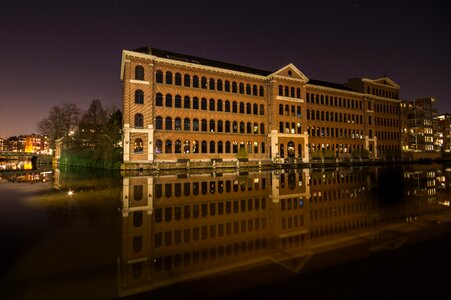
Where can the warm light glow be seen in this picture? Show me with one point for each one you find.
(70, 193)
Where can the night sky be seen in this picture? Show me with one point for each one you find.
(54, 52)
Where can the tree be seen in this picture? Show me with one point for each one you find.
(59, 123)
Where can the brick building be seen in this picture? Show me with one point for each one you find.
(177, 106)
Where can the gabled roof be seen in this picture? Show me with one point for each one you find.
(291, 71)
(384, 81)
(200, 61)
(330, 85)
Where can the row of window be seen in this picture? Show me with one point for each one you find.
(338, 228)
(211, 105)
(334, 101)
(289, 92)
(337, 211)
(295, 111)
(334, 117)
(210, 126)
(382, 93)
(387, 122)
(211, 84)
(204, 187)
(204, 147)
(208, 209)
(335, 132)
(292, 222)
(387, 135)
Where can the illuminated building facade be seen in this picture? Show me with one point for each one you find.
(421, 124)
(443, 132)
(179, 107)
(36, 144)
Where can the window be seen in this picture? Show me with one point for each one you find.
(248, 108)
(227, 126)
(159, 76)
(227, 86)
(298, 93)
(138, 146)
(159, 99)
(263, 149)
(204, 125)
(195, 125)
(219, 87)
(186, 102)
(168, 100)
(186, 149)
(168, 77)
(212, 84)
(262, 93)
(248, 127)
(248, 89)
(234, 107)
(203, 82)
(219, 105)
(241, 88)
(195, 103)
(139, 73)
(204, 147)
(280, 109)
(186, 124)
(168, 123)
(168, 146)
(262, 129)
(220, 126)
(241, 107)
(178, 101)
(139, 97)
(195, 147)
(254, 90)
(234, 87)
(186, 80)
(178, 79)
(227, 147)
(262, 109)
(178, 124)
(158, 123)
(241, 127)
(195, 81)
(212, 147)
(227, 106)
(139, 121)
(212, 126)
(280, 90)
(220, 147)
(203, 104)
(212, 104)
(178, 146)
(158, 146)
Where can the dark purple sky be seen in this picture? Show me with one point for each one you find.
(54, 52)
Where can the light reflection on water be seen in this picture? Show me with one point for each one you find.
(113, 236)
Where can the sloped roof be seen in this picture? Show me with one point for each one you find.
(330, 85)
(201, 61)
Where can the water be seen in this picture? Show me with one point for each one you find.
(332, 233)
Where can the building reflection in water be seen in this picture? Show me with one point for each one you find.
(182, 227)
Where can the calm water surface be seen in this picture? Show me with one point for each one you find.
(354, 233)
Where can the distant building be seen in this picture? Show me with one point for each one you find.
(177, 106)
(443, 132)
(2, 141)
(36, 144)
(421, 124)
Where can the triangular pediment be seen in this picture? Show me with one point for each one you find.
(291, 71)
(387, 82)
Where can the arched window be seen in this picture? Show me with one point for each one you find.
(287, 109)
(261, 91)
(186, 80)
(203, 82)
(158, 147)
(235, 127)
(255, 128)
(220, 147)
(159, 99)
(204, 125)
(168, 123)
(227, 86)
(159, 76)
(248, 89)
(248, 108)
(262, 109)
(219, 105)
(186, 102)
(280, 109)
(186, 147)
(168, 146)
(138, 146)
(186, 124)
(219, 83)
(212, 126)
(234, 107)
(227, 106)
(178, 147)
(234, 87)
(227, 126)
(287, 90)
(280, 127)
(241, 88)
(227, 147)
(195, 81)
(178, 79)
(139, 121)
(255, 109)
(178, 124)
(212, 147)
(158, 123)
(195, 103)
(241, 107)
(255, 147)
(262, 128)
(280, 90)
(203, 104)
(168, 77)
(195, 125)
(248, 127)
(262, 148)
(139, 73)
(212, 104)
(195, 147)
(298, 93)
(235, 147)
(139, 97)
(168, 100)
(178, 101)
(241, 127)
(212, 84)
(254, 90)
(203, 147)
(220, 129)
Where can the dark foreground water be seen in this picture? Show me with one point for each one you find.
(360, 233)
